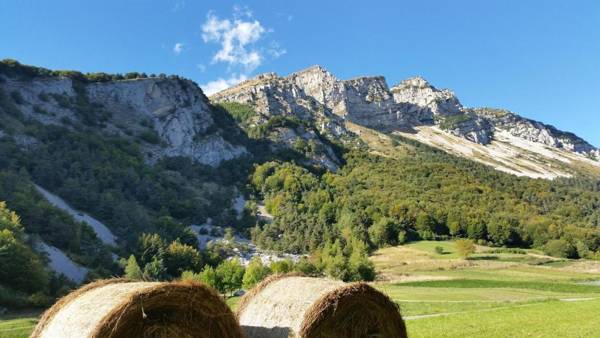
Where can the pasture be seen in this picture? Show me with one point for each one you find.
(494, 293)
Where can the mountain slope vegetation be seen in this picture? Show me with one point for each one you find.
(149, 156)
(425, 194)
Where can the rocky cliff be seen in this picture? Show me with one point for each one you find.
(537, 132)
(171, 115)
(314, 93)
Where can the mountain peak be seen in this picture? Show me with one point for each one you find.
(414, 102)
(415, 81)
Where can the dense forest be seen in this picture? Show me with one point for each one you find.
(425, 194)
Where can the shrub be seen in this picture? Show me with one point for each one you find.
(150, 136)
(241, 113)
(255, 272)
(560, 248)
(465, 247)
(132, 269)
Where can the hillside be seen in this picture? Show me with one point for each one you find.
(109, 174)
(416, 109)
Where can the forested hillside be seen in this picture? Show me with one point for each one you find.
(150, 156)
(426, 194)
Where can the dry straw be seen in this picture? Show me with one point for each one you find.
(296, 306)
(120, 308)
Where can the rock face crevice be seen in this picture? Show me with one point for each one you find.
(314, 93)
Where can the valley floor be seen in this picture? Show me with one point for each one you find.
(495, 293)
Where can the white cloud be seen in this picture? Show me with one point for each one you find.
(242, 11)
(221, 83)
(241, 46)
(275, 50)
(237, 39)
(178, 48)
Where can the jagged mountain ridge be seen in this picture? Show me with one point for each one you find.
(409, 108)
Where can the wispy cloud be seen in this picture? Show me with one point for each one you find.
(275, 50)
(241, 46)
(178, 48)
(237, 39)
(221, 83)
(178, 5)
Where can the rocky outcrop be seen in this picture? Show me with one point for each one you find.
(469, 126)
(538, 132)
(316, 94)
(309, 96)
(177, 110)
(425, 102)
(427, 105)
(172, 108)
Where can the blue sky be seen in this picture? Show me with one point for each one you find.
(540, 59)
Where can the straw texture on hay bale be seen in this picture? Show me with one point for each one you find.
(119, 308)
(295, 306)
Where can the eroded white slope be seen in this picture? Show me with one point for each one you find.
(508, 153)
(101, 230)
(62, 264)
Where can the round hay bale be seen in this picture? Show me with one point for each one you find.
(121, 308)
(296, 306)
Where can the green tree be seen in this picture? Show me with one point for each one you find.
(19, 266)
(151, 247)
(361, 268)
(425, 225)
(230, 274)
(382, 233)
(155, 270)
(190, 276)
(180, 257)
(560, 248)
(282, 266)
(209, 277)
(465, 247)
(132, 269)
(305, 266)
(255, 272)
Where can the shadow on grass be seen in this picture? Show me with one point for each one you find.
(483, 258)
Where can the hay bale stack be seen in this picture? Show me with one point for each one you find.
(119, 308)
(295, 306)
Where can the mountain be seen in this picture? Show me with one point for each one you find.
(416, 109)
(99, 168)
(172, 113)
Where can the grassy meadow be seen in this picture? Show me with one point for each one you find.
(494, 293)
(18, 325)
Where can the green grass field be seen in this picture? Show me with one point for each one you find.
(17, 326)
(495, 293)
(546, 319)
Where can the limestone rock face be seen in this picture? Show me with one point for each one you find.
(426, 101)
(538, 132)
(308, 95)
(173, 108)
(316, 94)
(472, 128)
